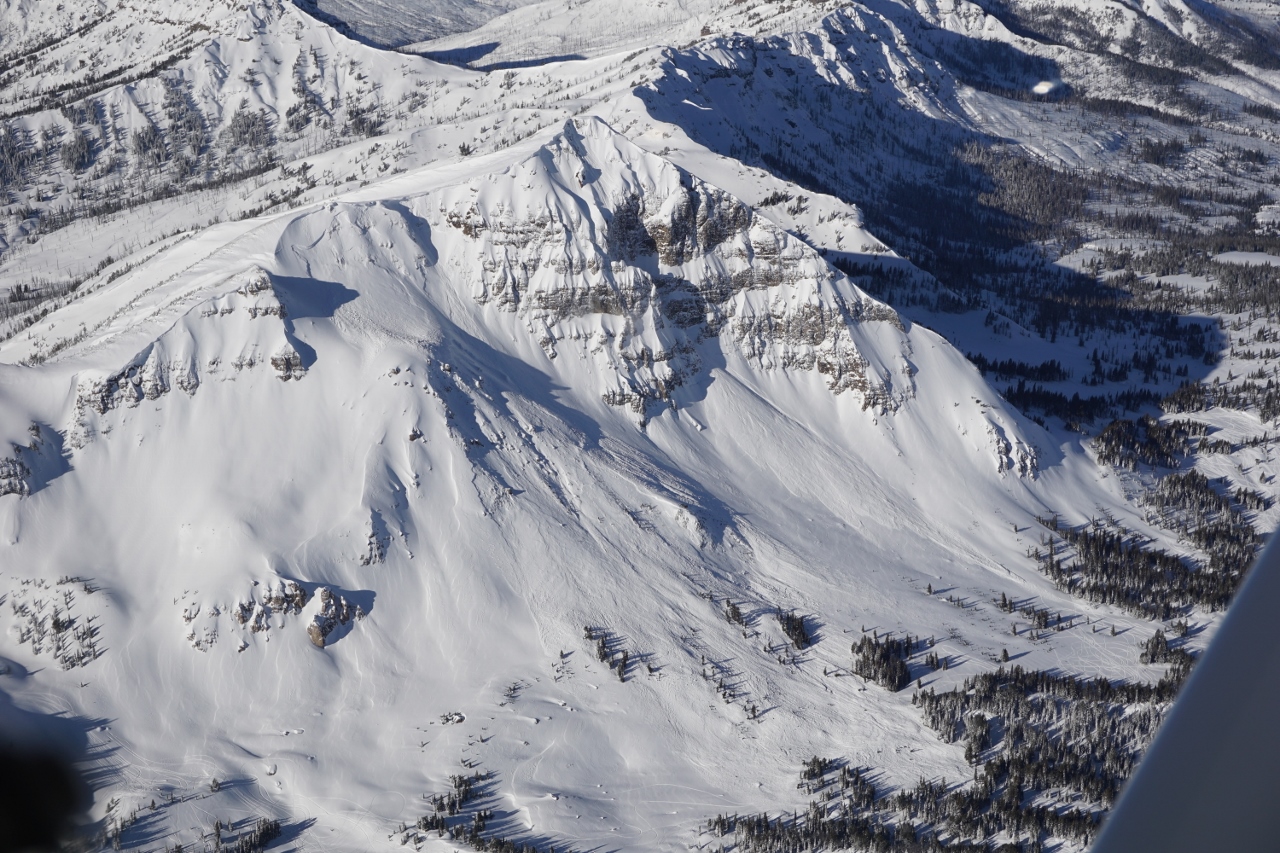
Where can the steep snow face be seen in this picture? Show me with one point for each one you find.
(591, 244)
(597, 245)
(329, 498)
(220, 333)
(328, 503)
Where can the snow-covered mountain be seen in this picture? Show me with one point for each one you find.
(412, 453)
(406, 444)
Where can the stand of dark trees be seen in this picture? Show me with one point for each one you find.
(1027, 734)
(1108, 564)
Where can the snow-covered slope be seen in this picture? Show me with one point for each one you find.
(347, 484)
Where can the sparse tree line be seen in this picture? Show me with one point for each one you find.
(247, 835)
(1203, 512)
(1191, 504)
(254, 837)
(793, 625)
(1039, 618)
(51, 625)
(1076, 410)
(610, 650)
(1008, 368)
(463, 790)
(1248, 289)
(1146, 441)
(885, 660)
(1026, 732)
(1109, 564)
(1249, 395)
(459, 816)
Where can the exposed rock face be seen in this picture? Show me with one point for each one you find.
(661, 262)
(171, 360)
(285, 598)
(334, 611)
(271, 608)
(288, 364)
(1013, 454)
(32, 464)
(377, 540)
(260, 296)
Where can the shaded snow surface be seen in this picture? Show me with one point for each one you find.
(392, 23)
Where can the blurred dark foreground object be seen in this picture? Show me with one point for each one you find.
(41, 797)
(1211, 779)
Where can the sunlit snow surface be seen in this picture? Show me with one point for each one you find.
(429, 462)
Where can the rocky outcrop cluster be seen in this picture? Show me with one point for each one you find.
(334, 612)
(14, 476)
(171, 362)
(288, 364)
(33, 464)
(642, 262)
(285, 597)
